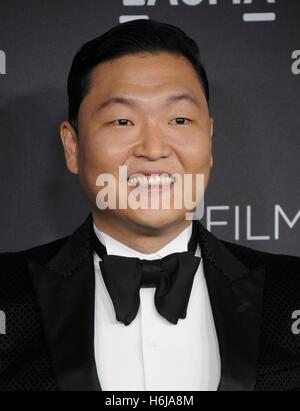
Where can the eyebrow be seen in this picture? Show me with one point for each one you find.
(128, 101)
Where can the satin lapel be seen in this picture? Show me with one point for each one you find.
(65, 289)
(236, 298)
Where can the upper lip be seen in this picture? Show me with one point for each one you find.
(149, 172)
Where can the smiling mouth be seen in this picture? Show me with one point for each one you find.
(152, 180)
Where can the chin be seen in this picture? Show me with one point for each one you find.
(155, 219)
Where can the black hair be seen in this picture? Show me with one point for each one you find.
(132, 37)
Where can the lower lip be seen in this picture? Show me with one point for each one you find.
(153, 187)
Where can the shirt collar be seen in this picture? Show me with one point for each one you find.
(178, 244)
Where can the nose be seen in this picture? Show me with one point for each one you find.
(152, 143)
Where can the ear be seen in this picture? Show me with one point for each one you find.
(70, 142)
(211, 134)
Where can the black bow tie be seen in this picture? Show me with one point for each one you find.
(172, 276)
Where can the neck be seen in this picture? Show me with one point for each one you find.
(140, 237)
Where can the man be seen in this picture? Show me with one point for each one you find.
(145, 298)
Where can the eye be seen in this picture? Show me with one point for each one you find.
(120, 122)
(181, 120)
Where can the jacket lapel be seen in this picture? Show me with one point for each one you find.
(65, 289)
(235, 293)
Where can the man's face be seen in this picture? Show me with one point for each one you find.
(149, 132)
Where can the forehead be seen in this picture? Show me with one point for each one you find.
(144, 74)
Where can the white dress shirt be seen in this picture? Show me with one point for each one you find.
(151, 354)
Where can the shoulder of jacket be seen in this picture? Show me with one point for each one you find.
(41, 253)
(277, 265)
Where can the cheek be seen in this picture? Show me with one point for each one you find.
(98, 156)
(197, 156)
(95, 154)
(89, 168)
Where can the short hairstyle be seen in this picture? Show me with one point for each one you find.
(132, 37)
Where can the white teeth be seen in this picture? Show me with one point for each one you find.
(155, 180)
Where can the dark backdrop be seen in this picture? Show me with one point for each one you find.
(253, 68)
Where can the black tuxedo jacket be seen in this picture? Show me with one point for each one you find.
(47, 294)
